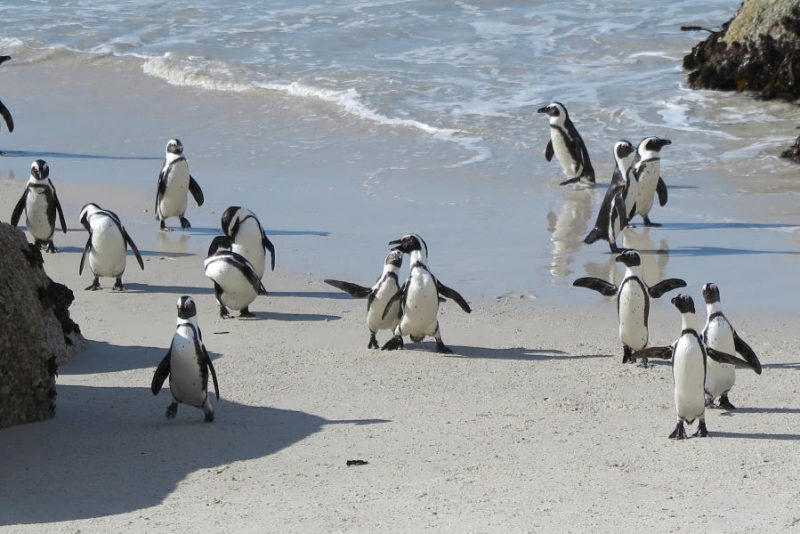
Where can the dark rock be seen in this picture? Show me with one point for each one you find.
(793, 153)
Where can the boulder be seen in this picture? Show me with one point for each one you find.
(36, 331)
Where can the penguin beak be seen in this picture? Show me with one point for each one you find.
(398, 242)
(665, 142)
(543, 110)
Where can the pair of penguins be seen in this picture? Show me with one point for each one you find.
(633, 187)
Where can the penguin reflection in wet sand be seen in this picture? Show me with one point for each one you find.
(720, 335)
(187, 365)
(40, 203)
(106, 246)
(419, 298)
(633, 301)
(646, 174)
(380, 314)
(688, 355)
(248, 238)
(613, 215)
(567, 145)
(236, 284)
(174, 182)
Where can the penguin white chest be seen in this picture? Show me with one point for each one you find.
(185, 377)
(387, 288)
(237, 290)
(174, 200)
(249, 243)
(689, 373)
(421, 304)
(720, 377)
(561, 143)
(37, 212)
(107, 255)
(646, 187)
(632, 306)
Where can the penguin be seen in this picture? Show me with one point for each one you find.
(173, 183)
(40, 203)
(720, 335)
(248, 237)
(689, 355)
(380, 315)
(236, 284)
(106, 246)
(633, 301)
(419, 298)
(3, 109)
(567, 145)
(646, 174)
(187, 365)
(613, 216)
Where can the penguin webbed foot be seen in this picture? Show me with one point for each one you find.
(571, 181)
(441, 348)
(245, 312)
(185, 223)
(162, 225)
(373, 341)
(224, 313)
(679, 432)
(643, 364)
(648, 222)
(725, 403)
(627, 355)
(702, 431)
(172, 410)
(118, 285)
(209, 417)
(95, 285)
(395, 343)
(51, 248)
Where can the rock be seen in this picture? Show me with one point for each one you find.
(36, 332)
(793, 152)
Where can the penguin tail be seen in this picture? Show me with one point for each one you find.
(593, 236)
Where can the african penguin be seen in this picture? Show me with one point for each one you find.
(40, 203)
(174, 182)
(187, 365)
(646, 174)
(248, 237)
(106, 246)
(720, 335)
(419, 298)
(633, 301)
(567, 145)
(380, 315)
(688, 354)
(613, 216)
(236, 284)
(3, 109)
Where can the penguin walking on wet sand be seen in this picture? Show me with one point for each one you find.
(633, 301)
(567, 145)
(40, 203)
(187, 364)
(248, 238)
(174, 182)
(236, 284)
(613, 215)
(688, 355)
(646, 174)
(106, 246)
(419, 298)
(380, 314)
(720, 335)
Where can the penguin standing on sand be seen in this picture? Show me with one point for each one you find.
(720, 335)
(40, 203)
(567, 145)
(106, 246)
(688, 355)
(380, 314)
(174, 182)
(236, 284)
(613, 215)
(3, 109)
(187, 365)
(248, 238)
(633, 301)
(419, 298)
(646, 173)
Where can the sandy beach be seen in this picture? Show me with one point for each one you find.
(533, 425)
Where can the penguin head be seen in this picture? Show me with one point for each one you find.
(409, 243)
(556, 111)
(684, 303)
(221, 242)
(230, 222)
(629, 258)
(174, 146)
(186, 307)
(395, 258)
(87, 210)
(710, 293)
(40, 170)
(652, 144)
(622, 149)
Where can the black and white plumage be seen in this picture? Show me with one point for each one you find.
(248, 237)
(40, 203)
(720, 335)
(236, 284)
(380, 314)
(3, 109)
(174, 182)
(187, 364)
(613, 216)
(645, 179)
(106, 246)
(689, 355)
(567, 145)
(419, 298)
(633, 301)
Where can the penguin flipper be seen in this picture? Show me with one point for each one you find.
(594, 235)
(17, 213)
(211, 369)
(397, 296)
(161, 187)
(657, 353)
(196, 192)
(221, 241)
(548, 151)
(60, 212)
(452, 294)
(661, 190)
(747, 353)
(86, 249)
(269, 246)
(354, 290)
(161, 374)
(724, 357)
(607, 289)
(135, 250)
(665, 286)
(7, 116)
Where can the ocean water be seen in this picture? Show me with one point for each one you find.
(359, 121)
